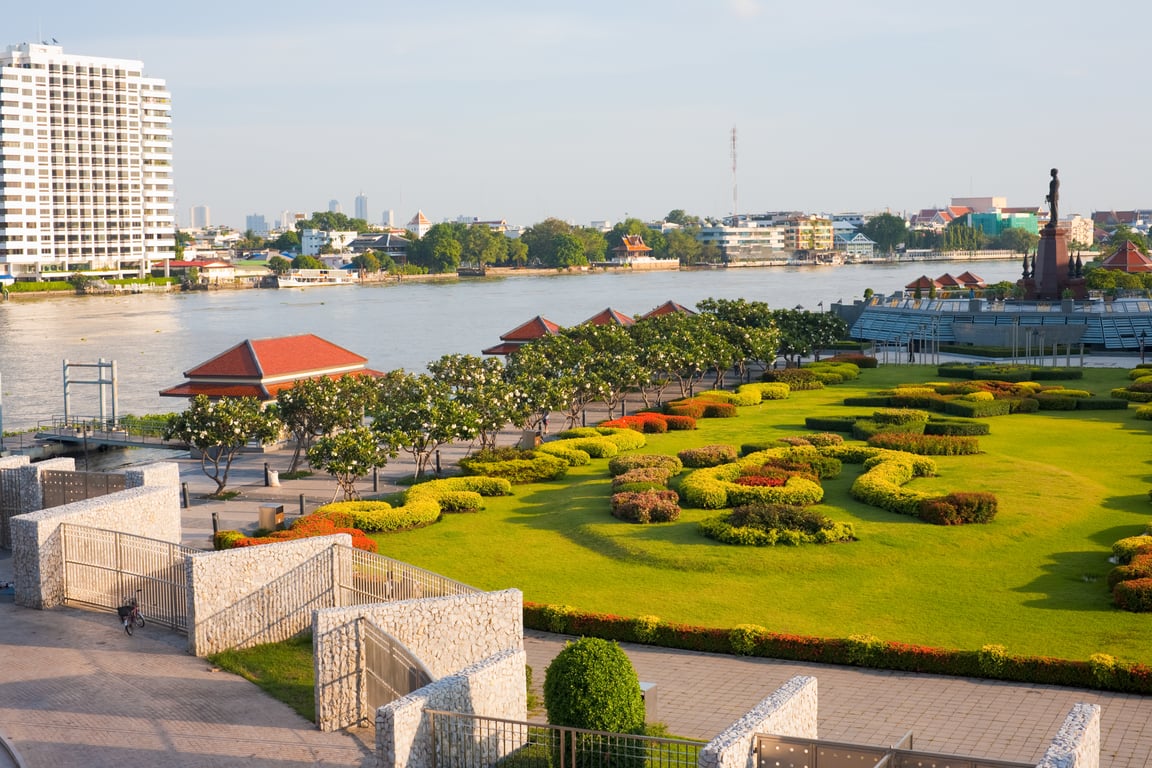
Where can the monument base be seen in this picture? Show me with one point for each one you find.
(1051, 269)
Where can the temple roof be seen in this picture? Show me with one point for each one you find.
(1128, 258)
(610, 316)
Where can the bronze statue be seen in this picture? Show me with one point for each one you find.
(1053, 199)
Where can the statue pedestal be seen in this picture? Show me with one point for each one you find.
(1050, 267)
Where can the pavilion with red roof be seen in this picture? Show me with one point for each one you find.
(667, 308)
(536, 328)
(1128, 258)
(610, 317)
(262, 367)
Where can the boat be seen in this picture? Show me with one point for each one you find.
(309, 278)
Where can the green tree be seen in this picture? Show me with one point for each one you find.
(330, 221)
(542, 240)
(479, 385)
(535, 390)
(749, 326)
(563, 360)
(886, 230)
(287, 241)
(312, 408)
(684, 247)
(480, 246)
(1016, 239)
(347, 456)
(1124, 233)
(183, 240)
(595, 246)
(517, 252)
(961, 237)
(219, 429)
(653, 238)
(417, 414)
(279, 265)
(367, 261)
(569, 252)
(440, 249)
(307, 262)
(250, 241)
(679, 216)
(679, 347)
(613, 361)
(591, 684)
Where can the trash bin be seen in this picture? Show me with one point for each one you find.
(274, 477)
(271, 516)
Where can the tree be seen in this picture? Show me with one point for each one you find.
(183, 239)
(612, 363)
(569, 252)
(534, 389)
(250, 242)
(517, 252)
(331, 221)
(748, 326)
(440, 249)
(591, 684)
(961, 237)
(313, 408)
(480, 246)
(219, 429)
(307, 262)
(679, 216)
(1016, 239)
(886, 230)
(1124, 233)
(287, 241)
(347, 456)
(417, 414)
(279, 265)
(480, 386)
(367, 261)
(542, 240)
(653, 238)
(563, 360)
(684, 247)
(680, 347)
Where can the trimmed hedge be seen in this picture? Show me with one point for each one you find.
(1102, 404)
(926, 445)
(750, 640)
(701, 408)
(797, 379)
(835, 423)
(766, 525)
(377, 516)
(707, 456)
(623, 439)
(977, 410)
(536, 468)
(621, 464)
(715, 487)
(1134, 595)
(959, 508)
(649, 506)
(943, 426)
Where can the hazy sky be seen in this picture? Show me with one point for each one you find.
(587, 110)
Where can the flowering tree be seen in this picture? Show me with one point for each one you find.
(417, 414)
(612, 361)
(348, 456)
(219, 429)
(479, 385)
(312, 408)
(563, 361)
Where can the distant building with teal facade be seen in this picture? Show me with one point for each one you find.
(995, 222)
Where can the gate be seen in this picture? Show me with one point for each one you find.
(101, 568)
(773, 751)
(391, 671)
(9, 504)
(61, 487)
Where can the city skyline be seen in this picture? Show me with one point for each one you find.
(519, 111)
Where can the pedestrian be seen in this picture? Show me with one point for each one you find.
(544, 424)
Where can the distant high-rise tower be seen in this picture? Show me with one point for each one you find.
(334, 206)
(201, 217)
(93, 164)
(389, 219)
(362, 206)
(257, 223)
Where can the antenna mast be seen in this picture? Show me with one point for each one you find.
(735, 209)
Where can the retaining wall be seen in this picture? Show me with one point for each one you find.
(494, 688)
(447, 634)
(251, 595)
(789, 711)
(37, 558)
(1077, 744)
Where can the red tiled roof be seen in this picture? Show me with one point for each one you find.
(667, 308)
(921, 282)
(947, 281)
(969, 279)
(503, 348)
(304, 354)
(610, 316)
(1128, 258)
(536, 328)
(212, 389)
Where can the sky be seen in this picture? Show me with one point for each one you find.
(595, 110)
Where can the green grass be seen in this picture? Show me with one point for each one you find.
(1033, 580)
(282, 670)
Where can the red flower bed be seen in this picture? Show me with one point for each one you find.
(761, 481)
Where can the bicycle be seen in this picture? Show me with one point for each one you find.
(130, 614)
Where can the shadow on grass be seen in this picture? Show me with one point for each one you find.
(1072, 581)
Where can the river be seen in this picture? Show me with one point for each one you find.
(154, 338)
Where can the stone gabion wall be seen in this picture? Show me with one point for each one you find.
(789, 711)
(447, 634)
(250, 595)
(151, 509)
(1077, 744)
(494, 688)
(31, 493)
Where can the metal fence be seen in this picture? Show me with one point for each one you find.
(62, 487)
(375, 578)
(391, 671)
(9, 504)
(470, 741)
(102, 568)
(789, 752)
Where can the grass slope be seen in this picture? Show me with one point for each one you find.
(1033, 580)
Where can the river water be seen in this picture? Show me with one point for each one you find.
(154, 338)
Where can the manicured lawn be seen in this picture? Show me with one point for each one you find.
(1069, 484)
(282, 670)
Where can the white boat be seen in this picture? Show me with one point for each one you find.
(308, 278)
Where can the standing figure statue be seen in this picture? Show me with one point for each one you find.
(1053, 199)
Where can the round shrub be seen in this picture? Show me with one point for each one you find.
(680, 423)
(824, 438)
(1134, 595)
(1127, 548)
(381, 517)
(226, 539)
(591, 684)
(626, 462)
(654, 477)
(707, 456)
(649, 506)
(797, 379)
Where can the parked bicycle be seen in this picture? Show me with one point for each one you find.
(130, 614)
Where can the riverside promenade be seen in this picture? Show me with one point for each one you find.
(74, 689)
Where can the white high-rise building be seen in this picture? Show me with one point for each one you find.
(201, 216)
(362, 206)
(334, 206)
(85, 164)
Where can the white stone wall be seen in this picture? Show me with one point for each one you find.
(251, 595)
(789, 711)
(1077, 745)
(447, 634)
(31, 492)
(494, 688)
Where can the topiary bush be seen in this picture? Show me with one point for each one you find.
(626, 462)
(650, 506)
(1134, 595)
(707, 456)
(591, 684)
(767, 525)
(641, 479)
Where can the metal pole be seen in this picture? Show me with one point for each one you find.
(267, 479)
(375, 479)
(215, 523)
(301, 505)
(437, 462)
(184, 495)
